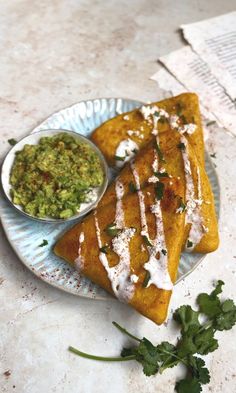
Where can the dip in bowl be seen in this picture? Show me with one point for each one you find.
(54, 175)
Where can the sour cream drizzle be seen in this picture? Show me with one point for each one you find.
(153, 114)
(119, 275)
(157, 264)
(193, 213)
(144, 231)
(125, 150)
(79, 261)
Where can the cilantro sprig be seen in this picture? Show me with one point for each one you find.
(195, 338)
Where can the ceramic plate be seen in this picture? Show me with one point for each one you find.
(25, 235)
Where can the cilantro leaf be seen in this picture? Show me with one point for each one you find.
(146, 354)
(218, 288)
(226, 320)
(147, 241)
(146, 279)
(210, 304)
(181, 146)
(119, 158)
(188, 319)
(104, 249)
(111, 229)
(159, 152)
(189, 244)
(179, 109)
(159, 190)
(188, 386)
(205, 341)
(210, 123)
(161, 174)
(12, 142)
(186, 346)
(44, 243)
(167, 354)
(132, 187)
(198, 370)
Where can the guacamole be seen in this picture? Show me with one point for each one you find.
(53, 178)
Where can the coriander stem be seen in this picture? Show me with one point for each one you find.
(123, 330)
(101, 358)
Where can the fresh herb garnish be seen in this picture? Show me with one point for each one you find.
(210, 123)
(111, 229)
(159, 152)
(213, 155)
(163, 119)
(147, 241)
(132, 187)
(164, 252)
(157, 114)
(159, 190)
(104, 249)
(181, 146)
(195, 338)
(161, 174)
(146, 279)
(44, 243)
(179, 109)
(118, 158)
(183, 119)
(182, 207)
(189, 244)
(12, 142)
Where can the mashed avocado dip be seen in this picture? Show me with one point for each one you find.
(53, 178)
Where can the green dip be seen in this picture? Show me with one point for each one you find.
(53, 178)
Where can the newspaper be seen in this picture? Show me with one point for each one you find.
(168, 82)
(214, 40)
(207, 67)
(192, 72)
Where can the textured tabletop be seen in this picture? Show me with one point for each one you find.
(55, 53)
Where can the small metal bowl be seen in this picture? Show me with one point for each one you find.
(33, 139)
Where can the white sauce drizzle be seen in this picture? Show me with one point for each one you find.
(119, 275)
(79, 261)
(189, 128)
(120, 219)
(134, 278)
(144, 231)
(174, 121)
(126, 149)
(153, 114)
(193, 213)
(153, 179)
(135, 133)
(158, 268)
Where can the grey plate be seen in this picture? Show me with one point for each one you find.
(25, 235)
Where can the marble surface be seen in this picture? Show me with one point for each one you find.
(54, 54)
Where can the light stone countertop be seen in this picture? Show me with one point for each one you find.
(55, 53)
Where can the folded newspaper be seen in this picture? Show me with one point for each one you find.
(207, 66)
